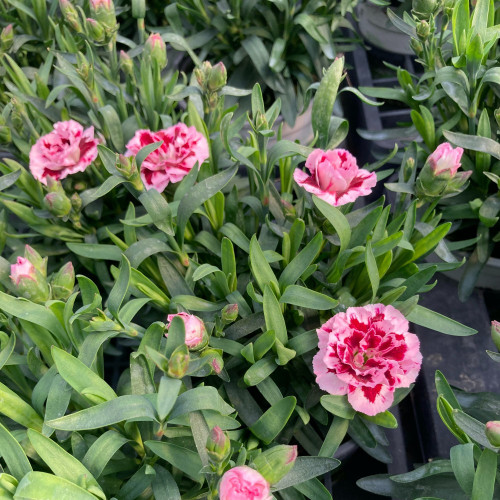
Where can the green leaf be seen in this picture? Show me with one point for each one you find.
(443, 389)
(199, 194)
(102, 451)
(274, 420)
(372, 269)
(338, 405)
(200, 398)
(306, 468)
(144, 152)
(435, 321)
(474, 143)
(274, 317)
(383, 419)
(296, 268)
(129, 407)
(18, 410)
(159, 210)
(304, 297)
(13, 454)
(260, 371)
(261, 269)
(335, 436)
(337, 220)
(96, 251)
(164, 485)
(185, 460)
(462, 463)
(81, 378)
(90, 195)
(41, 486)
(430, 469)
(324, 101)
(168, 391)
(176, 335)
(484, 480)
(113, 126)
(120, 288)
(473, 428)
(63, 464)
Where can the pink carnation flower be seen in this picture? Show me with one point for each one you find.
(182, 147)
(335, 177)
(445, 159)
(194, 327)
(66, 150)
(243, 483)
(366, 353)
(23, 268)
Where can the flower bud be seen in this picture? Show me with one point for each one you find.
(63, 282)
(138, 9)
(217, 77)
(423, 9)
(7, 38)
(104, 12)
(495, 333)
(196, 333)
(439, 176)
(76, 202)
(416, 46)
(28, 281)
(70, 14)
(36, 259)
(57, 204)
(126, 63)
(423, 30)
(178, 363)
(202, 74)
(5, 134)
(493, 432)
(276, 463)
(95, 30)
(261, 121)
(216, 361)
(230, 313)
(218, 445)
(155, 49)
(127, 166)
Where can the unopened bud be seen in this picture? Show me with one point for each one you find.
(76, 202)
(7, 38)
(276, 463)
(218, 445)
(493, 432)
(36, 259)
(416, 46)
(495, 333)
(155, 49)
(57, 204)
(230, 313)
(261, 121)
(83, 68)
(217, 77)
(127, 166)
(5, 134)
(216, 361)
(29, 281)
(178, 363)
(423, 9)
(423, 30)
(138, 9)
(70, 14)
(103, 11)
(63, 282)
(95, 30)
(126, 63)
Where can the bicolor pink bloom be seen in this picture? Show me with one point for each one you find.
(367, 352)
(194, 327)
(445, 159)
(335, 177)
(66, 150)
(182, 147)
(96, 4)
(243, 483)
(23, 268)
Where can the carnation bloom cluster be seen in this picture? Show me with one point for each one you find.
(367, 352)
(335, 177)
(243, 483)
(66, 150)
(69, 149)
